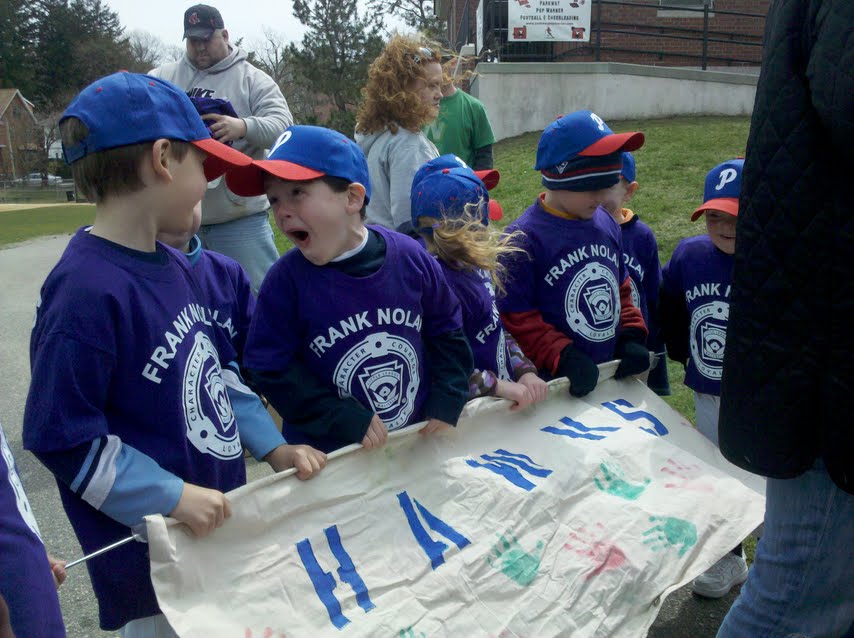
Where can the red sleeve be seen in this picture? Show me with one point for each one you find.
(541, 342)
(630, 315)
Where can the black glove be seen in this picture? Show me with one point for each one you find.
(579, 369)
(633, 354)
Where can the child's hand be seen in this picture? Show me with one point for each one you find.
(304, 458)
(435, 425)
(515, 392)
(57, 568)
(377, 434)
(201, 509)
(538, 388)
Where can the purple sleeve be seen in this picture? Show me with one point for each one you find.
(272, 341)
(519, 280)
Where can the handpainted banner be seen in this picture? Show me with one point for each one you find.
(574, 518)
(548, 20)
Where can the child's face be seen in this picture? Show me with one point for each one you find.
(578, 204)
(187, 187)
(429, 89)
(721, 229)
(321, 223)
(618, 195)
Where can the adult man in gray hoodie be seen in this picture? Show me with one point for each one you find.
(214, 68)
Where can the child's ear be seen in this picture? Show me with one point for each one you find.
(355, 198)
(630, 191)
(161, 156)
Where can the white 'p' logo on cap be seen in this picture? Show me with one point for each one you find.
(284, 137)
(599, 121)
(727, 175)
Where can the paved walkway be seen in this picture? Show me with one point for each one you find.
(23, 268)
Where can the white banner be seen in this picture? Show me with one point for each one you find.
(573, 518)
(548, 20)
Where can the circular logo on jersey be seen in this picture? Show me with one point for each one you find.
(592, 305)
(708, 338)
(21, 501)
(501, 357)
(207, 410)
(384, 370)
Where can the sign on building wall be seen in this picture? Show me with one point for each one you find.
(548, 20)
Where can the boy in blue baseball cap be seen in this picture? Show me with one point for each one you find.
(356, 332)
(127, 405)
(694, 312)
(569, 301)
(640, 252)
(451, 210)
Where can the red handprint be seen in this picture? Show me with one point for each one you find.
(686, 477)
(268, 633)
(593, 545)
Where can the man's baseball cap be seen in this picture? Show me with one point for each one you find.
(201, 20)
(130, 108)
(304, 153)
(629, 171)
(723, 188)
(490, 178)
(448, 192)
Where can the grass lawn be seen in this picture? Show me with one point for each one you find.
(26, 223)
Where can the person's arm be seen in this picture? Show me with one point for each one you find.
(631, 318)
(483, 158)
(520, 365)
(451, 362)
(405, 159)
(270, 112)
(308, 405)
(541, 342)
(258, 432)
(675, 321)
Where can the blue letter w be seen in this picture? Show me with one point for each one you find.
(504, 463)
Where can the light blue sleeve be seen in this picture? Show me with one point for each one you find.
(258, 432)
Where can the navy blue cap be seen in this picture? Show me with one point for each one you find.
(304, 153)
(447, 192)
(722, 189)
(130, 108)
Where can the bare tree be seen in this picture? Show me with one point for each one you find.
(418, 14)
(148, 51)
(273, 56)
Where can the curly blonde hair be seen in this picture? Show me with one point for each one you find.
(464, 243)
(388, 100)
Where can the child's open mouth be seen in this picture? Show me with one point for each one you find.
(298, 236)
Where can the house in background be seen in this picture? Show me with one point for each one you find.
(20, 137)
(708, 34)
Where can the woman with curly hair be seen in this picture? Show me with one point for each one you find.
(402, 95)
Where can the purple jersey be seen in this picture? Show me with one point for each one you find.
(572, 275)
(361, 335)
(481, 323)
(26, 583)
(640, 254)
(701, 274)
(127, 347)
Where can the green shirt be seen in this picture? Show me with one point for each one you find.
(461, 127)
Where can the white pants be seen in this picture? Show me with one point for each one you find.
(150, 627)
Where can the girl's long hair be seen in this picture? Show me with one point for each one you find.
(464, 243)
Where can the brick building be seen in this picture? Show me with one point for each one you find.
(683, 33)
(20, 145)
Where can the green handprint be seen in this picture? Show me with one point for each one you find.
(409, 633)
(517, 564)
(670, 532)
(614, 483)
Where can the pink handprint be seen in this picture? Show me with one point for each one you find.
(268, 633)
(593, 545)
(687, 477)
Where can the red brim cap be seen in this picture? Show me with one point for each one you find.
(249, 181)
(614, 143)
(724, 204)
(495, 211)
(489, 178)
(221, 157)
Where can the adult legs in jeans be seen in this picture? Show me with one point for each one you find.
(248, 240)
(802, 578)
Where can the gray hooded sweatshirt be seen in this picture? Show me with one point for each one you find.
(393, 159)
(256, 99)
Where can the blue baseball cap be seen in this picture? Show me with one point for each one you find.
(582, 133)
(304, 153)
(130, 108)
(447, 192)
(489, 177)
(723, 188)
(628, 172)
